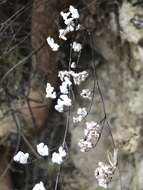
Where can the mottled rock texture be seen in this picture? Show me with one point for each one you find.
(121, 81)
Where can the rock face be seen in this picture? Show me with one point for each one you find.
(121, 82)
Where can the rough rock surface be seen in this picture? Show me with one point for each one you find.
(121, 82)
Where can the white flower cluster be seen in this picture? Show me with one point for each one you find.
(66, 83)
(74, 12)
(42, 149)
(65, 76)
(91, 136)
(62, 101)
(73, 65)
(81, 113)
(104, 174)
(76, 47)
(58, 157)
(54, 46)
(21, 157)
(77, 77)
(50, 93)
(86, 94)
(69, 18)
(39, 186)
